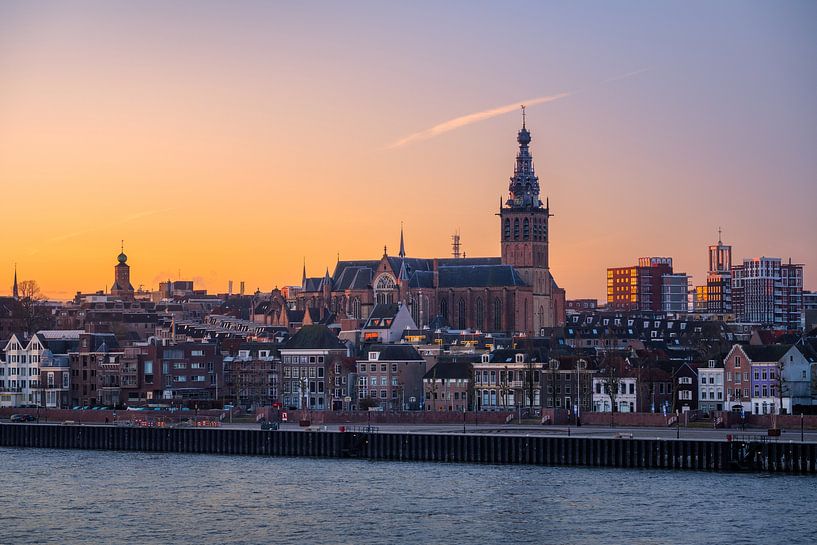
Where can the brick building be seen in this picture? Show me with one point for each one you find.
(391, 375)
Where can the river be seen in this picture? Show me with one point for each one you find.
(67, 497)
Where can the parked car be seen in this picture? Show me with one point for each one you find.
(22, 418)
(271, 426)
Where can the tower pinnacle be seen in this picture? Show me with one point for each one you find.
(524, 186)
(15, 292)
(402, 252)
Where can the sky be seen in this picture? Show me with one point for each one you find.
(233, 140)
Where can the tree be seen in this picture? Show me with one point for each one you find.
(34, 313)
(611, 379)
(529, 382)
(504, 387)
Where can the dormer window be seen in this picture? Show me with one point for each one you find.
(486, 358)
(374, 356)
(711, 364)
(520, 358)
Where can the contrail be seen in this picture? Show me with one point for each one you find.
(464, 120)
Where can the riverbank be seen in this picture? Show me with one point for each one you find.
(620, 452)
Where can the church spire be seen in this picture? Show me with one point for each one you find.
(402, 245)
(524, 186)
(303, 276)
(15, 292)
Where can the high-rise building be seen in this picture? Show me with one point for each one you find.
(767, 291)
(719, 278)
(675, 293)
(639, 287)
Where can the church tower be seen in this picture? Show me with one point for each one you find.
(121, 285)
(524, 232)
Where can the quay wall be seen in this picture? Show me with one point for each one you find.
(464, 448)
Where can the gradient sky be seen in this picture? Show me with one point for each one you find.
(228, 140)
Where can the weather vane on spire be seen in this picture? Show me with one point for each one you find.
(719, 235)
(523, 115)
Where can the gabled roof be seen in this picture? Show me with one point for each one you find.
(312, 284)
(314, 337)
(393, 352)
(766, 353)
(453, 370)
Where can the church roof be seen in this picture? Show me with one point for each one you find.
(479, 276)
(422, 279)
(349, 276)
(312, 284)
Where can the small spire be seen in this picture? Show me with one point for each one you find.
(402, 252)
(523, 115)
(122, 245)
(303, 276)
(385, 252)
(719, 236)
(15, 292)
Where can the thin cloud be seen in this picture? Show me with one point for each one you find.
(462, 121)
(627, 75)
(465, 120)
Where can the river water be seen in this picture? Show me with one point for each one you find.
(66, 497)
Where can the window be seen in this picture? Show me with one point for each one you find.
(479, 313)
(737, 361)
(196, 353)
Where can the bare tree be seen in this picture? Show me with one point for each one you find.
(34, 313)
(612, 381)
(504, 387)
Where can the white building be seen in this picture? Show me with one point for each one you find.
(710, 386)
(625, 400)
(387, 322)
(20, 372)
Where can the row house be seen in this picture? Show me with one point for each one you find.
(752, 378)
(711, 386)
(251, 377)
(190, 371)
(95, 370)
(312, 369)
(505, 379)
(685, 395)
(623, 388)
(637, 386)
(448, 387)
(392, 376)
(34, 371)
